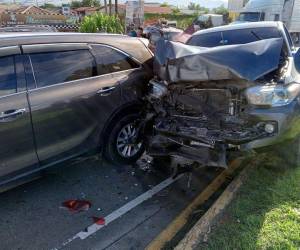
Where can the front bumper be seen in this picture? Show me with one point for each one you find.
(288, 124)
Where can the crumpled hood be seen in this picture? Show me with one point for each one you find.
(177, 62)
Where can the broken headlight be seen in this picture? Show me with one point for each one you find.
(273, 95)
(158, 89)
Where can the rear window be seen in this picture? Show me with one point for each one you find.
(110, 60)
(230, 37)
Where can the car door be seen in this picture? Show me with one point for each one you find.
(69, 101)
(17, 149)
(124, 68)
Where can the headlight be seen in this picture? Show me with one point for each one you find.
(273, 95)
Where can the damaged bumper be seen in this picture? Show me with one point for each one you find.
(287, 119)
(207, 102)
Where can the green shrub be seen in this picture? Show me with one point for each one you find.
(100, 22)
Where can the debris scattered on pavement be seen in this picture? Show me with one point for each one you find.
(145, 163)
(99, 220)
(76, 205)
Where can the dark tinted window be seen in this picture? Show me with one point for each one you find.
(58, 67)
(249, 35)
(230, 37)
(8, 80)
(206, 40)
(110, 60)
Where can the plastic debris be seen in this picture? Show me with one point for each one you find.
(77, 205)
(99, 220)
(145, 163)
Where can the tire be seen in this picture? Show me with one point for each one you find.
(119, 148)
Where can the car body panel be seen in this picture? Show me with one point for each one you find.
(67, 118)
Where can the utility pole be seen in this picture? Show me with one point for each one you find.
(116, 8)
(110, 7)
(105, 6)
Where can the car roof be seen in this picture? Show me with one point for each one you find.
(238, 26)
(52, 37)
(132, 45)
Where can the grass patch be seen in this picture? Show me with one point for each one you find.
(264, 215)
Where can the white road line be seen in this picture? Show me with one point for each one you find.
(121, 211)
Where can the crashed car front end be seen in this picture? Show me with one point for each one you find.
(206, 102)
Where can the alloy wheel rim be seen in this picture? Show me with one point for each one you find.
(126, 141)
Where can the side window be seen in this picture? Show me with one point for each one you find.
(206, 40)
(58, 67)
(110, 60)
(8, 79)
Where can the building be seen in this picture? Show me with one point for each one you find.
(33, 15)
(87, 11)
(235, 7)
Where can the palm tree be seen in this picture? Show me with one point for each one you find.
(116, 7)
(105, 6)
(109, 1)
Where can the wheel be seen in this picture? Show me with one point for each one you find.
(122, 146)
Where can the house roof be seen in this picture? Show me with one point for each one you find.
(157, 10)
(80, 9)
(8, 7)
(150, 9)
(33, 9)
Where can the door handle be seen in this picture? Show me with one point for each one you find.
(8, 115)
(105, 91)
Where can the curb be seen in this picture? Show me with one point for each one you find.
(178, 223)
(203, 227)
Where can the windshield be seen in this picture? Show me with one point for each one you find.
(249, 17)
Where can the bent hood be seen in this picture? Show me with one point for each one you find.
(176, 62)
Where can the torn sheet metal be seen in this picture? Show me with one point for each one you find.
(176, 62)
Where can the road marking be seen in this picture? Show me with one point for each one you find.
(178, 223)
(92, 229)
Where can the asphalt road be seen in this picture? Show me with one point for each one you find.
(32, 217)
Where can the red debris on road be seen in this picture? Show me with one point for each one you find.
(77, 205)
(99, 221)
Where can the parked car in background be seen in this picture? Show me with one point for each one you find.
(63, 94)
(28, 28)
(155, 33)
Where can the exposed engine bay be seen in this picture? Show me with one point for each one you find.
(199, 121)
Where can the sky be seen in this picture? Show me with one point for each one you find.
(180, 3)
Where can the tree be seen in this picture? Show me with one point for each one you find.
(165, 4)
(100, 22)
(176, 11)
(194, 6)
(48, 6)
(221, 10)
(76, 4)
(85, 3)
(197, 8)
